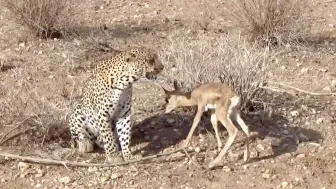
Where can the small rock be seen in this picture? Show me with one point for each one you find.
(170, 120)
(319, 120)
(327, 88)
(323, 69)
(156, 137)
(174, 69)
(266, 175)
(197, 149)
(303, 70)
(115, 176)
(227, 169)
(294, 113)
(252, 185)
(65, 180)
(38, 185)
(284, 184)
(301, 156)
(38, 175)
(333, 83)
(23, 166)
(285, 132)
(93, 169)
(104, 179)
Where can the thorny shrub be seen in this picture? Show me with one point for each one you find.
(45, 18)
(225, 59)
(271, 22)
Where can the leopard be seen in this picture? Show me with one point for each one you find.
(103, 115)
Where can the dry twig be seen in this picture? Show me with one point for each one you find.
(191, 160)
(301, 90)
(78, 164)
(15, 135)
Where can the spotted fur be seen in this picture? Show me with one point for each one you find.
(105, 110)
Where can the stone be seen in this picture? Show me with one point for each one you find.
(65, 180)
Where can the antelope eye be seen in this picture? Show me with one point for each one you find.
(151, 61)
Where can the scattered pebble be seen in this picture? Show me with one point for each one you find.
(65, 180)
(266, 175)
(319, 120)
(227, 169)
(197, 149)
(115, 176)
(23, 166)
(284, 184)
(294, 113)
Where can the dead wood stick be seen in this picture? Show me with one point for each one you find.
(11, 130)
(301, 90)
(7, 133)
(78, 164)
(191, 160)
(15, 135)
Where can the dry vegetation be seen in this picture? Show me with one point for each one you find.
(271, 22)
(46, 19)
(228, 59)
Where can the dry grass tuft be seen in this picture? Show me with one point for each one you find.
(225, 59)
(271, 22)
(46, 19)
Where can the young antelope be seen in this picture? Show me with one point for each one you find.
(224, 105)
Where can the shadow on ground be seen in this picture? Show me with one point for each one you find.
(166, 130)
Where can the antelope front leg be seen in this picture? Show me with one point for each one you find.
(194, 125)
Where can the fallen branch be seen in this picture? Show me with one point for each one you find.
(301, 90)
(3, 140)
(78, 164)
(15, 135)
(191, 160)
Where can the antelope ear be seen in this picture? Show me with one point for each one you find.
(165, 90)
(176, 87)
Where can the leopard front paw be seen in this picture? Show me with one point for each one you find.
(114, 158)
(85, 146)
(130, 157)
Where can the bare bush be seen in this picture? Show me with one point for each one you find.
(225, 59)
(272, 22)
(45, 18)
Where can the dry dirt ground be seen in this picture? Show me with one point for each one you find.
(42, 78)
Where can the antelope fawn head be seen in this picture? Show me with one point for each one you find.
(177, 98)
